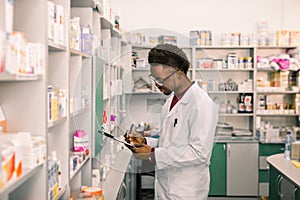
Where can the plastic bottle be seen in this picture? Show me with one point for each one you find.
(288, 142)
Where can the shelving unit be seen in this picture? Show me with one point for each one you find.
(26, 175)
(221, 75)
(215, 77)
(67, 69)
(78, 168)
(23, 99)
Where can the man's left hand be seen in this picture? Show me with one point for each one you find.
(142, 151)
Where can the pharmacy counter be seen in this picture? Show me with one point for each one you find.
(284, 178)
(116, 174)
(229, 139)
(285, 167)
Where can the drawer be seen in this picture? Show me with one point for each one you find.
(263, 176)
(270, 149)
(263, 189)
(263, 162)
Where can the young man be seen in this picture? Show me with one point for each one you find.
(182, 153)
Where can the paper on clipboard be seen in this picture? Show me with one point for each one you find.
(116, 139)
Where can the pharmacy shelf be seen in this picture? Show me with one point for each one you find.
(57, 122)
(279, 115)
(61, 192)
(116, 174)
(87, 3)
(141, 69)
(144, 93)
(277, 92)
(79, 112)
(229, 92)
(137, 46)
(20, 77)
(276, 47)
(26, 175)
(271, 70)
(78, 168)
(236, 114)
(56, 47)
(224, 70)
(115, 32)
(75, 52)
(107, 24)
(223, 47)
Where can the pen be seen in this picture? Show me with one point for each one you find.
(131, 128)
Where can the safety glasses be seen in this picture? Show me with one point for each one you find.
(160, 82)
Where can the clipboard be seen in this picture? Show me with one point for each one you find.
(116, 139)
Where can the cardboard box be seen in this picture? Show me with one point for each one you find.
(295, 150)
(283, 38)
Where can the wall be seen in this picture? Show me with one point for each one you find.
(216, 15)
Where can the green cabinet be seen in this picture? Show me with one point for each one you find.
(280, 187)
(265, 150)
(274, 181)
(218, 170)
(228, 173)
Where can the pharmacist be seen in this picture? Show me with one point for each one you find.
(182, 153)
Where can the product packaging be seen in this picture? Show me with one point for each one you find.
(51, 10)
(86, 40)
(95, 177)
(15, 60)
(18, 158)
(3, 128)
(88, 191)
(28, 149)
(283, 38)
(60, 25)
(52, 104)
(75, 33)
(165, 39)
(294, 38)
(62, 103)
(2, 51)
(194, 36)
(8, 162)
(9, 15)
(81, 142)
(1, 174)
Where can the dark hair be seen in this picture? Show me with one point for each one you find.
(170, 55)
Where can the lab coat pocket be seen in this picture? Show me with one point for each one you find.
(184, 182)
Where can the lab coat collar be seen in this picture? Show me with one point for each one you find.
(187, 96)
(184, 100)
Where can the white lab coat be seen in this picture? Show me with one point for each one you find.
(184, 148)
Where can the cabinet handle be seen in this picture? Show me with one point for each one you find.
(279, 178)
(228, 148)
(224, 147)
(124, 191)
(294, 193)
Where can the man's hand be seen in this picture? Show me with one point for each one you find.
(142, 151)
(135, 138)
